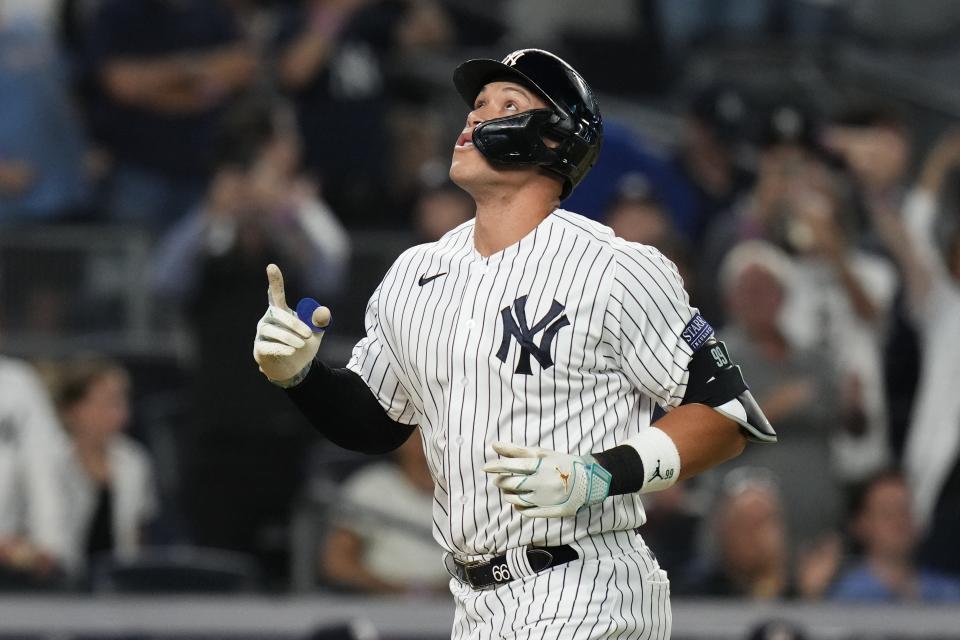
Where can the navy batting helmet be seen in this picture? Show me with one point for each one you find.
(572, 117)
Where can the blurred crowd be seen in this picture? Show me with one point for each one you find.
(821, 237)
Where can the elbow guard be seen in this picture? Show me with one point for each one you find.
(715, 381)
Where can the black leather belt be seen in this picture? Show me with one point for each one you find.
(486, 574)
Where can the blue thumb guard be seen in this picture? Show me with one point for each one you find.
(305, 309)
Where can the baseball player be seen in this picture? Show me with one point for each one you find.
(530, 345)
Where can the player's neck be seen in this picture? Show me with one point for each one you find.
(504, 218)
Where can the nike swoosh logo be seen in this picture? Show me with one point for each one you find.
(424, 280)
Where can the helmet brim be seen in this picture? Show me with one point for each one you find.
(473, 75)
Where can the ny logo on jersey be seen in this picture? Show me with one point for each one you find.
(524, 334)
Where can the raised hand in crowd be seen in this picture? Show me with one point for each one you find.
(817, 565)
(878, 154)
(181, 83)
(311, 51)
(910, 237)
(943, 158)
(22, 562)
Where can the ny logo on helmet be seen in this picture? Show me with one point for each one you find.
(524, 334)
(511, 60)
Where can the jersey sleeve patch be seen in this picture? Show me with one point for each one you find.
(697, 332)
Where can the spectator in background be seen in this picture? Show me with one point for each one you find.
(885, 530)
(851, 292)
(381, 542)
(418, 140)
(35, 548)
(439, 209)
(932, 276)
(111, 493)
(671, 529)
(785, 143)
(637, 215)
(165, 71)
(256, 202)
(695, 183)
(843, 293)
(239, 479)
(752, 540)
(707, 160)
(624, 154)
(876, 144)
(687, 26)
(42, 174)
(795, 386)
(331, 60)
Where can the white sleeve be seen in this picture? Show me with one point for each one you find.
(373, 360)
(920, 211)
(360, 495)
(649, 316)
(43, 450)
(329, 255)
(919, 217)
(149, 493)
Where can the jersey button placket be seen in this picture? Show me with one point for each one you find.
(460, 391)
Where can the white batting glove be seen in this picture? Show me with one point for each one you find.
(285, 346)
(542, 483)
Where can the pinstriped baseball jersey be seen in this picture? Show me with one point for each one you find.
(564, 340)
(617, 591)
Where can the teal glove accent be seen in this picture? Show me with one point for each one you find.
(542, 483)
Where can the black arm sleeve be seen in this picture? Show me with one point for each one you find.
(339, 405)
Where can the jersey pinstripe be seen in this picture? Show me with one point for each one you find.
(564, 340)
(615, 591)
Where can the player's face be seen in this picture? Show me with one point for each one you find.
(495, 100)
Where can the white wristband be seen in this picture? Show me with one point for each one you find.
(661, 460)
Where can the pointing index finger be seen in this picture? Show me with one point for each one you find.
(275, 293)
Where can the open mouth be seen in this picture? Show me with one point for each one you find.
(465, 139)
